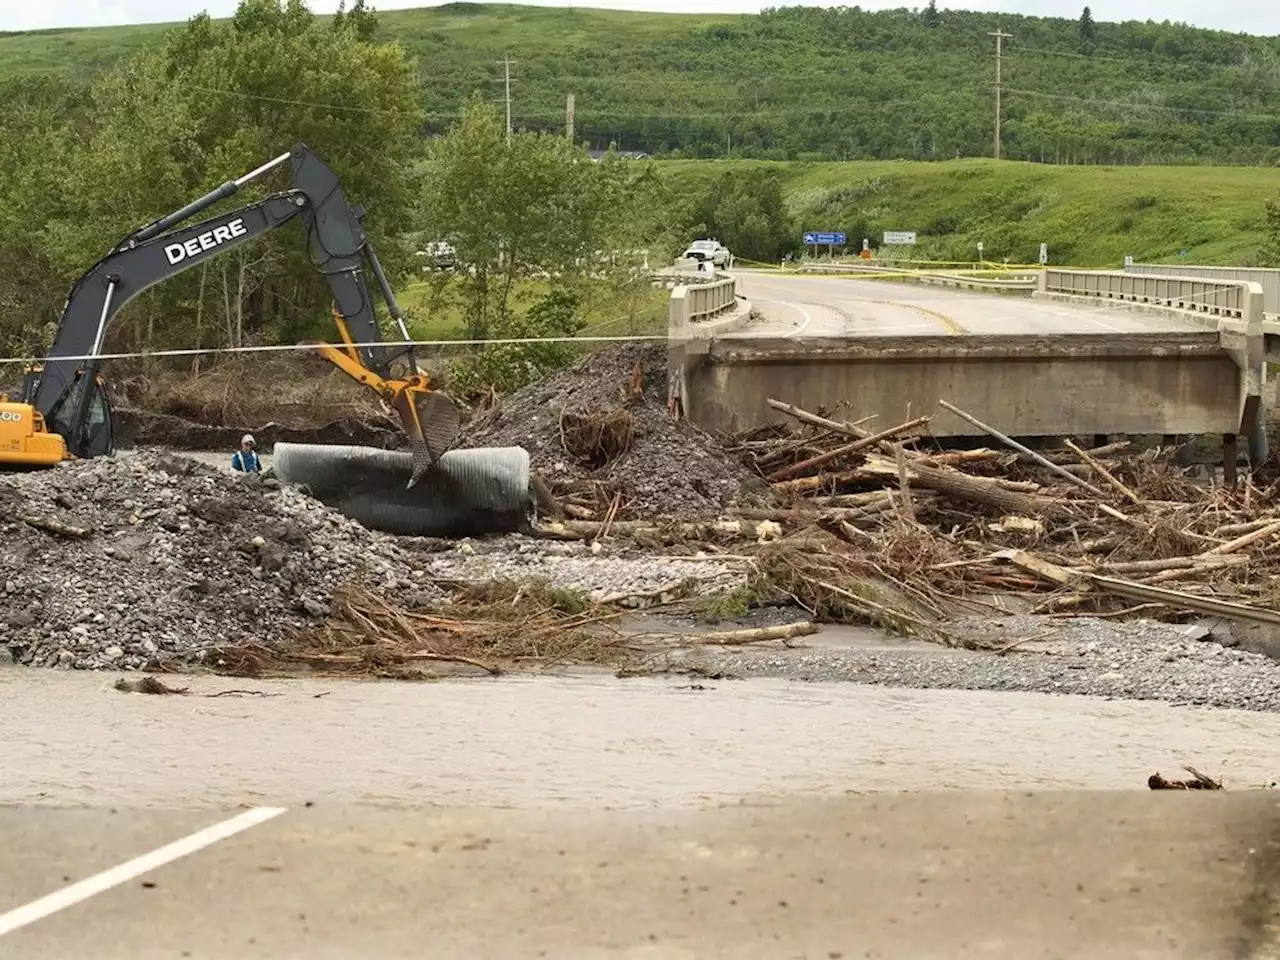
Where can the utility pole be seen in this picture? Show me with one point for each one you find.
(1000, 36)
(568, 117)
(506, 64)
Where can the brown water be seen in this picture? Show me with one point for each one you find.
(586, 742)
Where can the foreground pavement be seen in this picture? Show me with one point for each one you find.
(587, 817)
(1091, 875)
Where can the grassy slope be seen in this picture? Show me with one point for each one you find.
(590, 42)
(1089, 216)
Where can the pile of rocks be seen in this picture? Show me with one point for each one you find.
(672, 468)
(132, 561)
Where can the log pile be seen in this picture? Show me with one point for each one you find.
(923, 533)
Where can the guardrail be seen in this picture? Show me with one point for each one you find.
(708, 300)
(1219, 298)
(1019, 282)
(1267, 278)
(685, 273)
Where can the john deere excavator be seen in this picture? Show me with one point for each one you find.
(65, 413)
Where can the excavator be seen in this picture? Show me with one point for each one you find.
(65, 412)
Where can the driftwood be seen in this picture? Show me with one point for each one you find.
(735, 638)
(58, 528)
(966, 526)
(1198, 781)
(1026, 451)
(848, 448)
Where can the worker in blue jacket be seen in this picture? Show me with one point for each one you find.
(245, 460)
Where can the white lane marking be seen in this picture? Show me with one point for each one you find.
(794, 306)
(114, 876)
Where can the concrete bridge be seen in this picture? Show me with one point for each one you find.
(1047, 353)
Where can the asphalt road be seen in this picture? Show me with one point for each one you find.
(809, 306)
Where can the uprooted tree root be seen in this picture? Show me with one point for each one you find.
(596, 438)
(494, 629)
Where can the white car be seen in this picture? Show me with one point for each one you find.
(712, 250)
(439, 256)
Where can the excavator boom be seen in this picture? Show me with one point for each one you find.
(64, 391)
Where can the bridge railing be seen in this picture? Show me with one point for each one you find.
(1220, 298)
(1268, 279)
(707, 300)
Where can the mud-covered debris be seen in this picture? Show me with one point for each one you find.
(1198, 781)
(661, 466)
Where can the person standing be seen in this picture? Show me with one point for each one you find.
(245, 460)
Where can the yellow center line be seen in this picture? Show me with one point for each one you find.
(948, 323)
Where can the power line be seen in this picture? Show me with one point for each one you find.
(301, 347)
(1265, 118)
(610, 113)
(1135, 59)
(297, 103)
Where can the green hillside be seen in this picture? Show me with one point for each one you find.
(806, 83)
(1089, 216)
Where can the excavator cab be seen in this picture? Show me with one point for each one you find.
(96, 431)
(30, 438)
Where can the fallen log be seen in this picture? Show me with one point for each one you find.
(737, 638)
(709, 530)
(843, 451)
(1246, 540)
(961, 486)
(1104, 473)
(1014, 445)
(847, 429)
(1184, 601)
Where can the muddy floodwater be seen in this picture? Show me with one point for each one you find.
(585, 742)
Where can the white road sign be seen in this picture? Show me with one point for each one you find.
(899, 238)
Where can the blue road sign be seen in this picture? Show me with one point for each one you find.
(834, 239)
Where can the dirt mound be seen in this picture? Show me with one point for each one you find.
(146, 429)
(581, 444)
(156, 558)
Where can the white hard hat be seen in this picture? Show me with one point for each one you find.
(247, 438)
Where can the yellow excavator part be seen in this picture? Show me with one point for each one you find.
(431, 420)
(24, 439)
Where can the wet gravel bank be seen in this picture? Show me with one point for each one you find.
(1137, 660)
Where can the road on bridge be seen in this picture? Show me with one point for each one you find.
(816, 306)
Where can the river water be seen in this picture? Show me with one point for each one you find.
(585, 742)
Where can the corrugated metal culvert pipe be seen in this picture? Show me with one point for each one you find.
(466, 493)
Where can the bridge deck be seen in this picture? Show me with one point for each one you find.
(794, 306)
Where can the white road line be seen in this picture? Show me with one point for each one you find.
(113, 877)
(794, 306)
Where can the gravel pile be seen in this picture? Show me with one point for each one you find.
(672, 469)
(1136, 660)
(131, 562)
(159, 558)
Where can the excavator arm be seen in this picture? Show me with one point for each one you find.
(338, 247)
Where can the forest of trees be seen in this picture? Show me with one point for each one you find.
(84, 166)
(810, 83)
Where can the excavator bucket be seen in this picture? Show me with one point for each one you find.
(431, 422)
